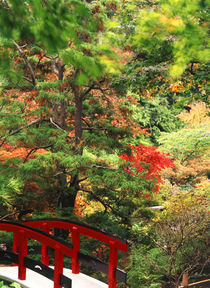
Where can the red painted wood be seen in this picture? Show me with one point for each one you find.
(21, 236)
(45, 256)
(112, 264)
(15, 245)
(22, 254)
(82, 229)
(76, 249)
(58, 269)
(36, 235)
(77, 229)
(21, 233)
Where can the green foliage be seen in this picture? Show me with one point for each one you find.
(50, 23)
(177, 241)
(186, 143)
(142, 272)
(183, 24)
(12, 285)
(70, 102)
(157, 116)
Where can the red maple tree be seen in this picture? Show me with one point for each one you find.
(147, 162)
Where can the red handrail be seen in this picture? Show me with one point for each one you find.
(78, 229)
(21, 234)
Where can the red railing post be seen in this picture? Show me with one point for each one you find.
(112, 264)
(15, 244)
(76, 249)
(22, 254)
(45, 256)
(58, 269)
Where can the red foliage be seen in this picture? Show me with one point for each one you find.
(147, 162)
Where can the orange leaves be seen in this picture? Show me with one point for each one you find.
(27, 98)
(123, 55)
(19, 152)
(80, 205)
(176, 86)
(9, 152)
(117, 110)
(198, 115)
(64, 85)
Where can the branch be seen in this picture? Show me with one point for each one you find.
(91, 88)
(102, 89)
(21, 128)
(34, 150)
(27, 62)
(8, 215)
(106, 206)
(27, 79)
(87, 91)
(83, 179)
(93, 128)
(65, 172)
(57, 126)
(104, 167)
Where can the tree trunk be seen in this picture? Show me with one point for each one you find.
(69, 193)
(63, 103)
(78, 121)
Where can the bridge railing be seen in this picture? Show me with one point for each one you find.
(78, 229)
(21, 234)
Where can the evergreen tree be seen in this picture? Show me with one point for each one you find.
(63, 121)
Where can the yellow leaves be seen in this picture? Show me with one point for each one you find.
(171, 22)
(112, 24)
(198, 114)
(111, 66)
(177, 69)
(147, 94)
(182, 202)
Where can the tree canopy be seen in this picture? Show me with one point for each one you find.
(104, 112)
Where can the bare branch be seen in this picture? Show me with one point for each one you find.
(34, 150)
(27, 79)
(91, 88)
(8, 215)
(65, 172)
(81, 180)
(56, 125)
(104, 167)
(27, 62)
(87, 91)
(93, 128)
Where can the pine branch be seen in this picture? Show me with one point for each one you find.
(27, 62)
(92, 87)
(21, 128)
(65, 172)
(57, 126)
(104, 167)
(106, 206)
(34, 150)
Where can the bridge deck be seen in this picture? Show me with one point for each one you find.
(34, 280)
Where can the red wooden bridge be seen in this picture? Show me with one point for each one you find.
(41, 231)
